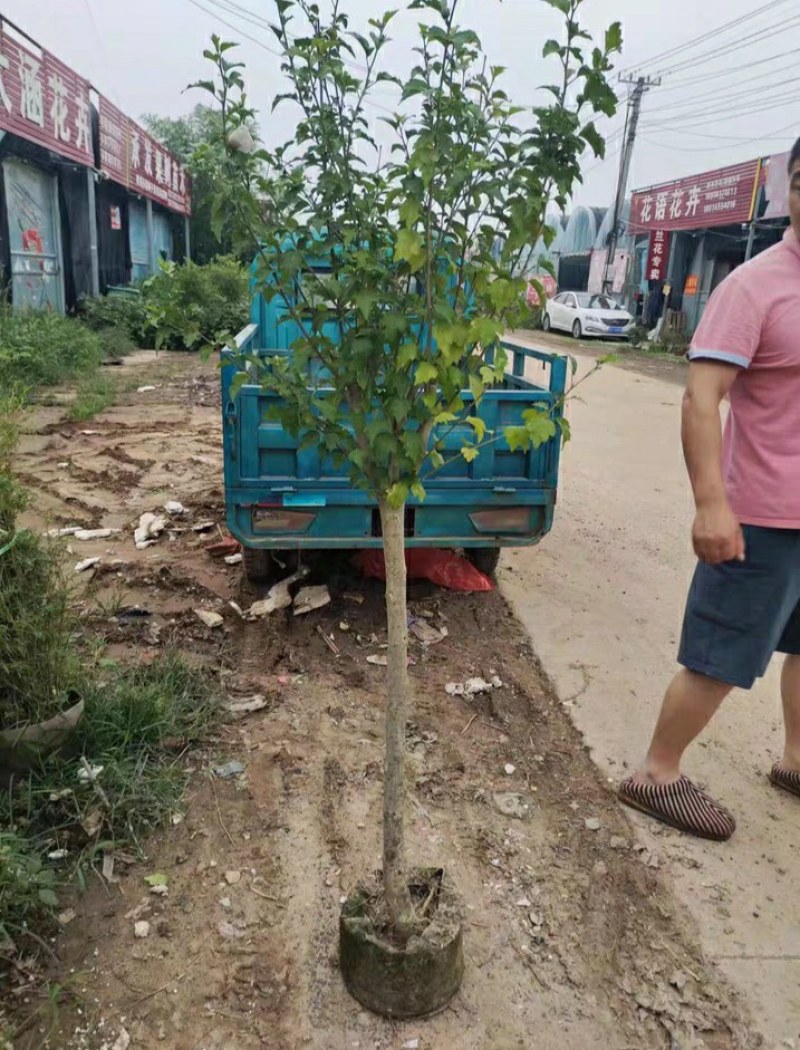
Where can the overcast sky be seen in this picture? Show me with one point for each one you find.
(142, 53)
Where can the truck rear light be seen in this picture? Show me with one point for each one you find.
(516, 520)
(276, 519)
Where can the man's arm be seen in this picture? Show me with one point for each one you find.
(717, 535)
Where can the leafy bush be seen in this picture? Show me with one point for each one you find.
(124, 315)
(38, 665)
(27, 888)
(41, 349)
(189, 305)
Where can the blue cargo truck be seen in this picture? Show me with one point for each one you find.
(281, 497)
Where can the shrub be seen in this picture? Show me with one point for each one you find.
(41, 349)
(124, 314)
(27, 888)
(37, 662)
(192, 305)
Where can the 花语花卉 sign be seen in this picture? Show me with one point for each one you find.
(44, 101)
(134, 159)
(717, 198)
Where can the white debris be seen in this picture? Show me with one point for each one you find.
(122, 1042)
(233, 878)
(88, 774)
(247, 707)
(229, 931)
(277, 598)
(141, 929)
(473, 686)
(225, 902)
(66, 917)
(523, 903)
(58, 854)
(497, 682)
(378, 661)
(241, 140)
(509, 769)
(210, 619)
(149, 528)
(511, 805)
(203, 526)
(592, 824)
(174, 506)
(94, 534)
(426, 634)
(233, 559)
(89, 433)
(87, 563)
(311, 598)
(411, 1044)
(159, 890)
(145, 389)
(454, 688)
(69, 530)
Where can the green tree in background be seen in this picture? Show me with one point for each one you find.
(184, 136)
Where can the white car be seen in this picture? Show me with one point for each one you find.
(586, 315)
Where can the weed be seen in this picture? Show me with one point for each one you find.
(95, 392)
(27, 888)
(41, 349)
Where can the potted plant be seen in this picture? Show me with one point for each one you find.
(422, 240)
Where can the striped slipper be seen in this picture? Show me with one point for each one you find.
(682, 805)
(785, 779)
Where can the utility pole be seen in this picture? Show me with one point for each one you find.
(641, 85)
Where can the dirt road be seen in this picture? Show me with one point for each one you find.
(603, 599)
(573, 937)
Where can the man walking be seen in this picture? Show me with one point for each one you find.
(744, 601)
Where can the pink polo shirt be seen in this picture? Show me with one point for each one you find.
(753, 320)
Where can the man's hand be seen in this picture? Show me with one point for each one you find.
(717, 535)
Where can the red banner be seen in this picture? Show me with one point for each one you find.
(131, 157)
(658, 256)
(717, 198)
(43, 101)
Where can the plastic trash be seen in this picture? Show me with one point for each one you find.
(442, 567)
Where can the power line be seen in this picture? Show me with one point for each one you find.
(677, 84)
(727, 145)
(765, 34)
(725, 96)
(705, 36)
(733, 113)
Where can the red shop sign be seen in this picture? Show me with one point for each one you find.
(658, 256)
(131, 157)
(717, 198)
(44, 101)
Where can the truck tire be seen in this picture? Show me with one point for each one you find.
(547, 324)
(485, 559)
(577, 330)
(257, 564)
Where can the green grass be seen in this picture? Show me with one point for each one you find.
(42, 349)
(137, 722)
(94, 393)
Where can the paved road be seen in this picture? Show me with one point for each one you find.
(602, 598)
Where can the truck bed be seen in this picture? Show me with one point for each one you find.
(279, 496)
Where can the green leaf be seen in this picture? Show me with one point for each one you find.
(409, 211)
(591, 135)
(477, 388)
(614, 37)
(418, 491)
(407, 353)
(560, 5)
(156, 879)
(517, 438)
(48, 897)
(410, 248)
(478, 425)
(470, 453)
(425, 373)
(365, 301)
(552, 47)
(397, 495)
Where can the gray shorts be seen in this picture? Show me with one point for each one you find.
(740, 613)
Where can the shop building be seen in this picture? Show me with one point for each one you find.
(695, 231)
(88, 200)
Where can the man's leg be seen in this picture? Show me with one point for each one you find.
(790, 692)
(691, 702)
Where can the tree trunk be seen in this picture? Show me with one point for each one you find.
(394, 790)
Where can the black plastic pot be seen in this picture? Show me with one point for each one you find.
(414, 980)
